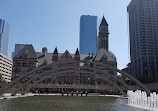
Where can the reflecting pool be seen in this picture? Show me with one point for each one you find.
(59, 103)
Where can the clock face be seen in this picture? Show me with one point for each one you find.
(103, 30)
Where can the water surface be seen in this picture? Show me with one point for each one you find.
(59, 103)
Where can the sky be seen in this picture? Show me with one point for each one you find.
(51, 23)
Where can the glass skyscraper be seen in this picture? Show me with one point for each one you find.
(88, 34)
(4, 33)
(17, 49)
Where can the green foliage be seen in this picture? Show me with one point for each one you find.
(1, 78)
(126, 80)
(129, 82)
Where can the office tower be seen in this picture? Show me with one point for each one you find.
(88, 34)
(18, 47)
(143, 32)
(4, 33)
(6, 67)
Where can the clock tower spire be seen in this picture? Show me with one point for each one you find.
(103, 38)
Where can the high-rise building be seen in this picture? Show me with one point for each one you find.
(88, 34)
(18, 48)
(6, 67)
(4, 33)
(143, 31)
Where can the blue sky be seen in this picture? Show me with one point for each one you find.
(51, 23)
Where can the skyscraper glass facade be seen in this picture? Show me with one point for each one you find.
(4, 34)
(17, 49)
(88, 34)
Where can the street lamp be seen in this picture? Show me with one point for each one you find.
(57, 86)
(88, 78)
(65, 86)
(48, 87)
(96, 87)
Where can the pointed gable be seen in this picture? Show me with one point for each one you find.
(66, 56)
(104, 22)
(104, 58)
(77, 52)
(55, 51)
(103, 53)
(27, 50)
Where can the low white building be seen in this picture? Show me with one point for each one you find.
(6, 67)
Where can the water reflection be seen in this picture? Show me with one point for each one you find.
(59, 103)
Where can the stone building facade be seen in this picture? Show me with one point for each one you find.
(24, 61)
(28, 59)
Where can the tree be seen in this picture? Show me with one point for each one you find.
(129, 82)
(1, 78)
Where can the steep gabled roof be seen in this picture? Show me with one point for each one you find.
(89, 58)
(103, 53)
(42, 58)
(55, 51)
(104, 57)
(66, 56)
(104, 22)
(29, 50)
(48, 57)
(77, 52)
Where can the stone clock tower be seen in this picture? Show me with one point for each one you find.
(103, 38)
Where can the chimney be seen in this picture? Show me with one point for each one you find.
(44, 50)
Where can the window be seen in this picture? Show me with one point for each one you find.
(17, 71)
(24, 64)
(17, 64)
